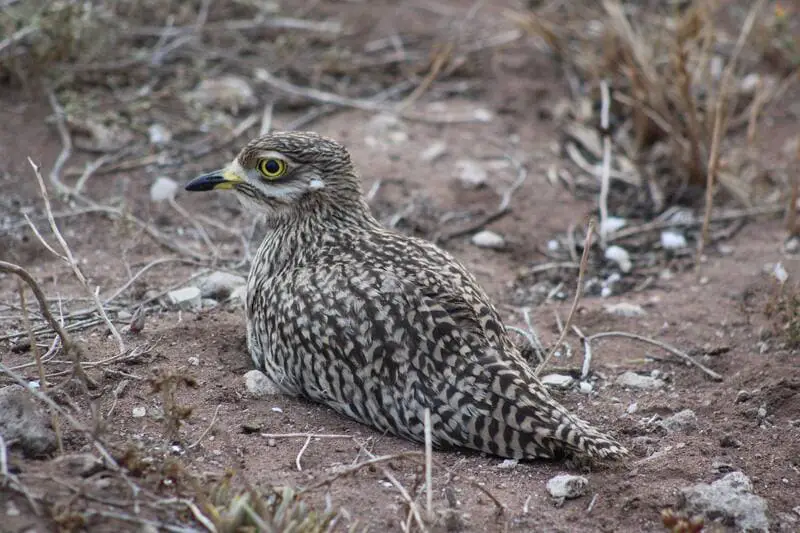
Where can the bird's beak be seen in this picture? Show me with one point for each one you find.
(219, 179)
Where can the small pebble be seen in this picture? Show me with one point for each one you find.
(508, 464)
(565, 486)
(259, 385)
(625, 309)
(488, 239)
(159, 134)
(187, 298)
(139, 412)
(433, 152)
(742, 396)
(124, 315)
(163, 188)
(612, 224)
(620, 256)
(637, 381)
(220, 285)
(681, 422)
(586, 387)
(673, 240)
(559, 381)
(194, 361)
(471, 174)
(632, 408)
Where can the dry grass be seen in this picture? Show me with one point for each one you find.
(674, 70)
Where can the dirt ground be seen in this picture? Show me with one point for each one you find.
(716, 313)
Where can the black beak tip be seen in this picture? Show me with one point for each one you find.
(204, 183)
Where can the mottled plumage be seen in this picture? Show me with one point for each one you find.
(378, 325)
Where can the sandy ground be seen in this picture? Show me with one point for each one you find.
(716, 314)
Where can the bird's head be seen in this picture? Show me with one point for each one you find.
(281, 173)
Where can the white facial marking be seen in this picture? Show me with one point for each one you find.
(316, 184)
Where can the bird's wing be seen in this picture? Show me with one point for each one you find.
(382, 349)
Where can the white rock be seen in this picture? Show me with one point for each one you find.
(488, 239)
(730, 499)
(625, 309)
(620, 256)
(232, 93)
(139, 412)
(220, 285)
(750, 83)
(673, 240)
(124, 315)
(163, 188)
(586, 387)
(482, 115)
(187, 298)
(632, 408)
(471, 174)
(612, 224)
(194, 361)
(159, 134)
(259, 385)
(508, 464)
(560, 381)
(25, 423)
(637, 381)
(682, 422)
(239, 295)
(565, 486)
(780, 273)
(433, 152)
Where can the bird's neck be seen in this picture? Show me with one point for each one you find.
(295, 240)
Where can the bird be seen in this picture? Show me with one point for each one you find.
(380, 326)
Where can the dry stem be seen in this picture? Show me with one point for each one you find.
(71, 259)
(587, 244)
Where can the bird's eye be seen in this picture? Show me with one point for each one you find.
(272, 168)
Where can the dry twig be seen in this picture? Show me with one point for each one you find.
(587, 244)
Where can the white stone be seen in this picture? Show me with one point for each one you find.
(488, 239)
(560, 381)
(637, 381)
(612, 224)
(220, 285)
(433, 152)
(163, 188)
(259, 385)
(227, 92)
(625, 309)
(508, 464)
(471, 174)
(780, 273)
(620, 256)
(239, 295)
(565, 486)
(159, 134)
(194, 361)
(673, 240)
(139, 412)
(187, 298)
(681, 422)
(730, 499)
(586, 387)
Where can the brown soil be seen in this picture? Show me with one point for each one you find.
(718, 310)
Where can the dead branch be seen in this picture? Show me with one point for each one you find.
(70, 347)
(71, 259)
(664, 346)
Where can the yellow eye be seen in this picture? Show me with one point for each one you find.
(272, 168)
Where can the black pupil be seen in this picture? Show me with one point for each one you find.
(272, 166)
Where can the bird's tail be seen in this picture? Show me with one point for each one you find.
(547, 429)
